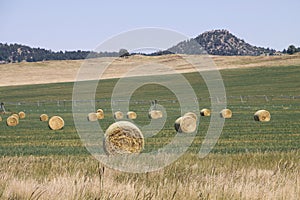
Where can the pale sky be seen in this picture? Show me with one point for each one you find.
(73, 25)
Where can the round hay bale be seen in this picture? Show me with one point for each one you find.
(226, 113)
(16, 115)
(56, 123)
(100, 114)
(177, 124)
(12, 121)
(205, 112)
(100, 110)
(44, 117)
(118, 115)
(92, 117)
(185, 124)
(191, 114)
(188, 124)
(123, 137)
(155, 114)
(22, 115)
(262, 116)
(131, 115)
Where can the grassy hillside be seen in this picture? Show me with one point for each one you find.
(65, 71)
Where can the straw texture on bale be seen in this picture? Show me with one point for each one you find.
(191, 114)
(44, 117)
(56, 123)
(22, 115)
(92, 117)
(100, 114)
(177, 124)
(262, 116)
(155, 114)
(16, 115)
(118, 115)
(100, 110)
(205, 112)
(131, 115)
(226, 113)
(186, 123)
(12, 121)
(123, 137)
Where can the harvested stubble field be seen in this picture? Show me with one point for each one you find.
(251, 160)
(66, 70)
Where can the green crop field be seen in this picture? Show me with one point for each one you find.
(276, 89)
(240, 134)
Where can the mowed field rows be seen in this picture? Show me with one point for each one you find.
(240, 134)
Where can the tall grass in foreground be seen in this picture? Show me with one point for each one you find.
(236, 176)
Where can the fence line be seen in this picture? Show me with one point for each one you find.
(242, 99)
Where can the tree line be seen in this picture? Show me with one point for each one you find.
(291, 50)
(18, 53)
(10, 53)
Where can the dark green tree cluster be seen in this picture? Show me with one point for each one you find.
(291, 50)
(123, 53)
(18, 53)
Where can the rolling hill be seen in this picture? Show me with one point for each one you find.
(219, 42)
(215, 42)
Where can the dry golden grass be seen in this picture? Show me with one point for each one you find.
(258, 176)
(256, 61)
(13, 74)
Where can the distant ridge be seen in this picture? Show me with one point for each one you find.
(215, 42)
(219, 42)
